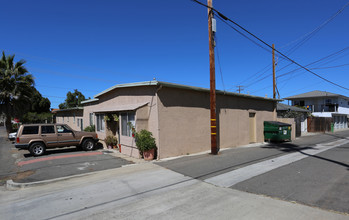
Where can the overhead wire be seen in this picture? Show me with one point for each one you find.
(219, 63)
(319, 60)
(305, 38)
(266, 44)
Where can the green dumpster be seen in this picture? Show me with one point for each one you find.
(277, 131)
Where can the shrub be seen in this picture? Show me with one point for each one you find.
(145, 141)
(90, 128)
(111, 140)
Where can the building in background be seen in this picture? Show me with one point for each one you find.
(300, 116)
(72, 117)
(324, 104)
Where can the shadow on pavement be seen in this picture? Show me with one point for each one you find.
(98, 146)
(288, 147)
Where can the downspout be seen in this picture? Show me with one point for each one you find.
(157, 110)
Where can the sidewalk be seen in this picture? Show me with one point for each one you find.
(148, 191)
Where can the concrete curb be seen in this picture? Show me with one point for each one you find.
(11, 185)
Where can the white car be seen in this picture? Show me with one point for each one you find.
(12, 136)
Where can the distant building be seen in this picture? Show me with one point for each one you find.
(324, 104)
(71, 116)
(300, 116)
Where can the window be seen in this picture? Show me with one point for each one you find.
(30, 130)
(74, 118)
(126, 118)
(63, 129)
(63, 119)
(91, 119)
(47, 129)
(100, 122)
(81, 124)
(328, 101)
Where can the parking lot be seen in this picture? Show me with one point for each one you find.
(22, 167)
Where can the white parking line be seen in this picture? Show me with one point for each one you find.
(236, 176)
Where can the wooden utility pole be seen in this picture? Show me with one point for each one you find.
(240, 88)
(214, 150)
(274, 83)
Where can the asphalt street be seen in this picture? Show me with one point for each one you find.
(305, 179)
(147, 191)
(312, 170)
(21, 167)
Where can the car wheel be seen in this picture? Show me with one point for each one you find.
(88, 145)
(37, 149)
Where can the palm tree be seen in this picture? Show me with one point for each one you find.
(16, 87)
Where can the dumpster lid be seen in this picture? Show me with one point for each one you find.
(277, 123)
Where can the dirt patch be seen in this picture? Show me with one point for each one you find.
(22, 175)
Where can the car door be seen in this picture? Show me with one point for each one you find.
(66, 136)
(48, 134)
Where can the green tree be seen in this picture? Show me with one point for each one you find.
(16, 88)
(39, 109)
(73, 100)
(39, 104)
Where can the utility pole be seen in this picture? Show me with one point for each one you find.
(274, 83)
(240, 88)
(214, 150)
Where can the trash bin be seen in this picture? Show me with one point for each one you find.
(277, 131)
(332, 127)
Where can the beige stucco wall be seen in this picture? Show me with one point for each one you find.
(234, 126)
(146, 116)
(184, 120)
(70, 118)
(292, 122)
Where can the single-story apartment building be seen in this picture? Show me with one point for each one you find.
(178, 116)
(73, 117)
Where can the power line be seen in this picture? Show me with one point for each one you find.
(317, 61)
(266, 44)
(219, 63)
(313, 32)
(294, 70)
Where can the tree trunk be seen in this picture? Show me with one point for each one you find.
(8, 124)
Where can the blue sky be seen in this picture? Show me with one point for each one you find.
(93, 45)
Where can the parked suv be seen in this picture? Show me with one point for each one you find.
(38, 137)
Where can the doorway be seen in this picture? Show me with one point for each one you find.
(252, 119)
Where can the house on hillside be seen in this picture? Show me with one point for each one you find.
(324, 104)
(178, 116)
(71, 116)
